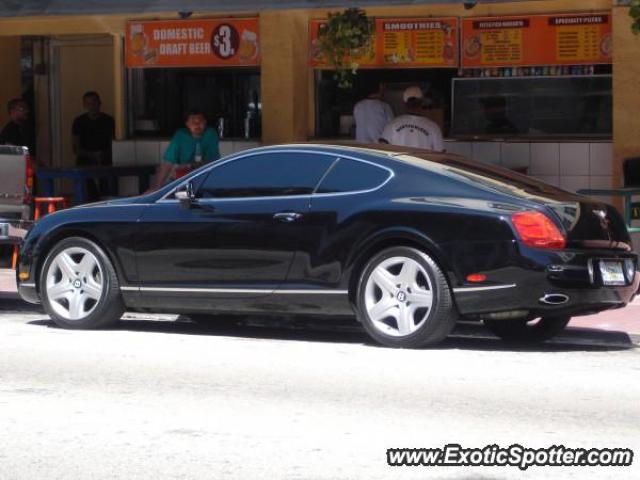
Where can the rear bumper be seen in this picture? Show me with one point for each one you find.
(567, 273)
(522, 297)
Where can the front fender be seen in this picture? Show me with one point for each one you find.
(114, 233)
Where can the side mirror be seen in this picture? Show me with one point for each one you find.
(186, 197)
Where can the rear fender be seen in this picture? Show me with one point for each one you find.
(391, 237)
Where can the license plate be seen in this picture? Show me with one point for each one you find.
(612, 272)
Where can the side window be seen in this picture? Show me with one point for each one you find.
(350, 175)
(266, 175)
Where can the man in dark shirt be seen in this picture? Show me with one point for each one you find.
(93, 132)
(17, 131)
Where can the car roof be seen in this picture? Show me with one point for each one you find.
(378, 149)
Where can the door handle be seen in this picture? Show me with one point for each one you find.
(287, 217)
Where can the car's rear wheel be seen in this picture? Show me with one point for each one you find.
(404, 300)
(531, 331)
(79, 286)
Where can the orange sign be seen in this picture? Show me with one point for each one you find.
(428, 42)
(193, 43)
(537, 40)
(401, 42)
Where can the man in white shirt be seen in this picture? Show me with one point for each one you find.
(413, 129)
(371, 115)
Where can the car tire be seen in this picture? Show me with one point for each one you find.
(79, 286)
(404, 300)
(528, 331)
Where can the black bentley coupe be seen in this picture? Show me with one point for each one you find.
(410, 241)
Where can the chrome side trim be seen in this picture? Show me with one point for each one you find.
(313, 292)
(233, 290)
(204, 290)
(29, 285)
(482, 289)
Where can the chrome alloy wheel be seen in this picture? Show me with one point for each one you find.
(75, 283)
(398, 296)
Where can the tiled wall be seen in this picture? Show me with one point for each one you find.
(570, 166)
(149, 152)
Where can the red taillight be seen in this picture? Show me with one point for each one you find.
(476, 278)
(29, 180)
(537, 230)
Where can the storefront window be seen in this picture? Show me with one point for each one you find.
(160, 97)
(571, 106)
(334, 106)
(527, 76)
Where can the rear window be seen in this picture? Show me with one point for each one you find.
(352, 176)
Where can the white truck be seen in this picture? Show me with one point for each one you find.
(16, 187)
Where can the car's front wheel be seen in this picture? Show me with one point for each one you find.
(532, 331)
(79, 286)
(404, 300)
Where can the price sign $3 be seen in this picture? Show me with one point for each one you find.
(224, 41)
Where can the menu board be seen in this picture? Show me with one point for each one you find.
(401, 42)
(537, 40)
(193, 43)
(421, 42)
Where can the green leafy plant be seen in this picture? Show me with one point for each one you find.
(346, 36)
(634, 12)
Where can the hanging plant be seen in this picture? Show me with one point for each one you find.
(345, 37)
(634, 12)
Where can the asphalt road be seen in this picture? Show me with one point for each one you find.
(165, 400)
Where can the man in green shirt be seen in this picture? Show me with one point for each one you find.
(190, 148)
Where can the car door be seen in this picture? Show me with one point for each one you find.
(339, 217)
(239, 236)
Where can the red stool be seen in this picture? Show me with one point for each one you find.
(52, 204)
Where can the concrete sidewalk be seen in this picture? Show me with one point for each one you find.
(625, 320)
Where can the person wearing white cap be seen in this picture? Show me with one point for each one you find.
(413, 129)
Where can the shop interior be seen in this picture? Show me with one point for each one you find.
(159, 97)
(537, 103)
(334, 105)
